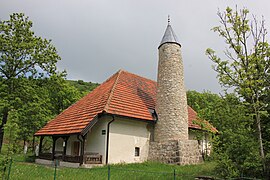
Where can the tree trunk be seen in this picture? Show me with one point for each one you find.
(25, 147)
(23, 143)
(4, 121)
(33, 145)
(260, 140)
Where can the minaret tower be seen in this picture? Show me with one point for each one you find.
(171, 105)
(171, 143)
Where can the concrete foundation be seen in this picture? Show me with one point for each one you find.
(61, 163)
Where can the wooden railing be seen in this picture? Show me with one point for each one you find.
(74, 159)
(47, 156)
(58, 155)
(67, 158)
(89, 158)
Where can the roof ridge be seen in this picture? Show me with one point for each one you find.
(192, 109)
(106, 107)
(138, 75)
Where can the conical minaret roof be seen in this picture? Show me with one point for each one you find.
(169, 36)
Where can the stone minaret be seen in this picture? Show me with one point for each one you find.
(171, 102)
(171, 144)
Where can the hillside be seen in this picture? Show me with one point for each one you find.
(83, 87)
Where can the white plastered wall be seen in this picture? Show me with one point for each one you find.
(59, 144)
(204, 142)
(70, 142)
(125, 135)
(95, 141)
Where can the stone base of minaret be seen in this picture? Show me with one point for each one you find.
(180, 152)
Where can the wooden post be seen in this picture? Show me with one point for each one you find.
(33, 145)
(82, 149)
(40, 145)
(65, 147)
(53, 148)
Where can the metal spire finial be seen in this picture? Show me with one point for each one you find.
(169, 36)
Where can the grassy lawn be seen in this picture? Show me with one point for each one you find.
(147, 170)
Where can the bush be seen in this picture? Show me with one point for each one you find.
(4, 162)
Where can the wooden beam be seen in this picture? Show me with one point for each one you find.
(40, 145)
(82, 149)
(53, 148)
(33, 145)
(65, 147)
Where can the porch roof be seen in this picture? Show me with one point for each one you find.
(123, 94)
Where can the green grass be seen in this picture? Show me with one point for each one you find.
(147, 170)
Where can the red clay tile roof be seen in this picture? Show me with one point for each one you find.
(195, 122)
(123, 94)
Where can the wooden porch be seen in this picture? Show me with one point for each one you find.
(79, 157)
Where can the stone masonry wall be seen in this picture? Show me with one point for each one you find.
(175, 152)
(171, 103)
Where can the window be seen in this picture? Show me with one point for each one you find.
(137, 151)
(103, 132)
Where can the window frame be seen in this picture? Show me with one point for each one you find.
(137, 152)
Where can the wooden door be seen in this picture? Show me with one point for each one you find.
(76, 148)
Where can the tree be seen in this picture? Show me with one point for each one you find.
(40, 101)
(22, 54)
(234, 148)
(206, 104)
(83, 87)
(34, 110)
(246, 63)
(61, 93)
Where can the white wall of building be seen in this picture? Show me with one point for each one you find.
(205, 142)
(95, 140)
(125, 136)
(59, 144)
(70, 142)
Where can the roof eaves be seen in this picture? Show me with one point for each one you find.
(90, 125)
(51, 134)
(55, 117)
(131, 118)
